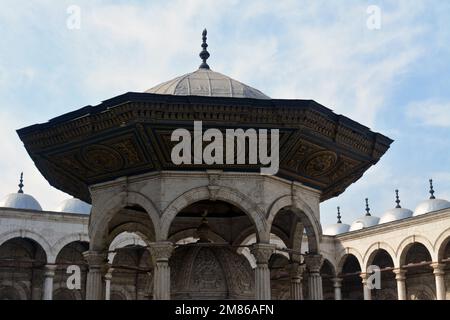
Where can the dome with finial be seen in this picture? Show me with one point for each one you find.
(20, 200)
(337, 228)
(397, 213)
(205, 82)
(74, 206)
(432, 204)
(366, 221)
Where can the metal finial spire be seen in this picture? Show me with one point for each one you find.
(432, 190)
(397, 199)
(339, 215)
(367, 208)
(204, 55)
(21, 185)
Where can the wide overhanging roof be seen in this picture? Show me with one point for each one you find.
(130, 134)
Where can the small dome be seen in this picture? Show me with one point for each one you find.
(336, 229)
(364, 222)
(20, 201)
(398, 213)
(74, 206)
(431, 205)
(395, 214)
(205, 82)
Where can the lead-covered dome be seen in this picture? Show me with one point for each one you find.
(366, 221)
(337, 228)
(397, 213)
(205, 82)
(20, 200)
(432, 204)
(74, 206)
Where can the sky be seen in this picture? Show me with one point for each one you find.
(391, 74)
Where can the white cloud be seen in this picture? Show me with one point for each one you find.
(430, 113)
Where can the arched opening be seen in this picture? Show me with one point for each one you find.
(352, 288)
(70, 254)
(381, 259)
(327, 273)
(444, 257)
(130, 268)
(204, 262)
(420, 283)
(22, 262)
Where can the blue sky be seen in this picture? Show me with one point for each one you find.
(395, 80)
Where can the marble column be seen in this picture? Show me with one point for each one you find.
(439, 276)
(314, 263)
(401, 283)
(262, 253)
(296, 275)
(161, 252)
(108, 277)
(367, 291)
(95, 288)
(49, 274)
(337, 284)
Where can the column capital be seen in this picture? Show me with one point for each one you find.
(337, 282)
(296, 270)
(262, 252)
(400, 274)
(314, 262)
(95, 258)
(161, 251)
(364, 276)
(438, 268)
(49, 270)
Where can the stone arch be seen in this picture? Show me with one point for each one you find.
(41, 241)
(404, 246)
(302, 211)
(441, 243)
(370, 253)
(421, 292)
(117, 243)
(343, 255)
(225, 194)
(19, 288)
(62, 242)
(191, 232)
(132, 227)
(100, 216)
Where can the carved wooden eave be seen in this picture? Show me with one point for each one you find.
(130, 134)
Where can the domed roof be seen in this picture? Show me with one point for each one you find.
(366, 221)
(395, 214)
(74, 206)
(398, 213)
(202, 271)
(205, 82)
(431, 204)
(337, 228)
(20, 200)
